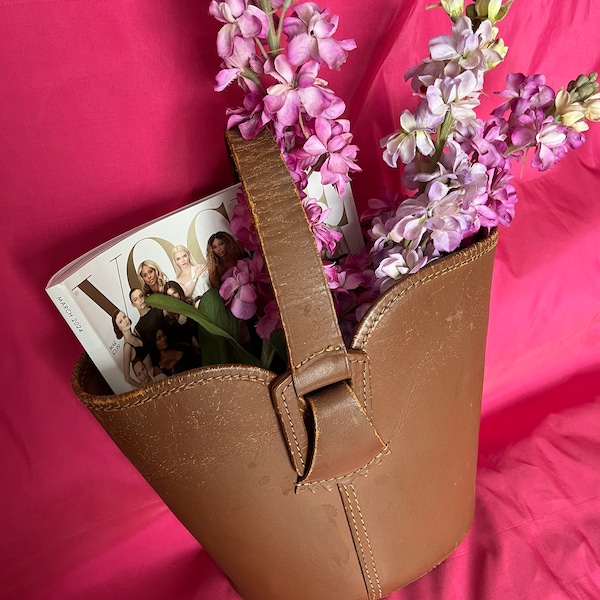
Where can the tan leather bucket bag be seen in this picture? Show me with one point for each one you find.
(354, 473)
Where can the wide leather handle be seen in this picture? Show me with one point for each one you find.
(320, 368)
(316, 349)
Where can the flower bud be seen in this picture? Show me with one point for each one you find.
(592, 108)
(586, 90)
(454, 8)
(569, 113)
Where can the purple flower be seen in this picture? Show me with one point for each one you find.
(397, 264)
(415, 132)
(466, 50)
(238, 289)
(325, 237)
(240, 20)
(332, 139)
(499, 208)
(310, 36)
(242, 225)
(457, 94)
(551, 145)
(491, 145)
(377, 206)
(524, 93)
(251, 117)
(297, 90)
(235, 64)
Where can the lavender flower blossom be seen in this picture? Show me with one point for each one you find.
(240, 20)
(238, 287)
(325, 237)
(332, 139)
(310, 37)
(415, 132)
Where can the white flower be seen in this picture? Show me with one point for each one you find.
(571, 114)
(414, 133)
(592, 108)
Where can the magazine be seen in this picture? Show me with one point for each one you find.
(101, 295)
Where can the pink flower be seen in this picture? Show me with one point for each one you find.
(270, 321)
(239, 59)
(377, 206)
(333, 140)
(237, 288)
(242, 225)
(297, 90)
(325, 237)
(399, 264)
(240, 20)
(310, 36)
(524, 93)
(414, 133)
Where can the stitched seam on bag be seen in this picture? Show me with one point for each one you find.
(416, 284)
(328, 349)
(383, 452)
(358, 539)
(171, 390)
(292, 423)
(364, 371)
(375, 574)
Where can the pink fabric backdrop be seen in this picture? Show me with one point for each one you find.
(108, 119)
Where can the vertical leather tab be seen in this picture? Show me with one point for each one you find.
(345, 443)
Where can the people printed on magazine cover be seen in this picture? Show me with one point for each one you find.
(180, 328)
(133, 346)
(192, 277)
(222, 253)
(174, 358)
(152, 279)
(163, 343)
(151, 319)
(141, 372)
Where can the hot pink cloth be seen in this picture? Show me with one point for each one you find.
(108, 119)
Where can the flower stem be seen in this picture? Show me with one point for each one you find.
(272, 40)
(250, 74)
(442, 135)
(261, 48)
(284, 9)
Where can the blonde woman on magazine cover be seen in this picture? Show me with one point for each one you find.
(192, 277)
(151, 277)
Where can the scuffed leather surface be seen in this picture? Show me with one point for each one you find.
(210, 443)
(393, 489)
(290, 252)
(318, 357)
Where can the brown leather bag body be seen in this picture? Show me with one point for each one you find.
(354, 473)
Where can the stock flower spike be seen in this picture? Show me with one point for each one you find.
(459, 165)
(456, 165)
(285, 92)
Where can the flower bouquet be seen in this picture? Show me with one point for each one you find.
(457, 167)
(383, 429)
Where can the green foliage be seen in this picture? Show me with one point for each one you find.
(217, 327)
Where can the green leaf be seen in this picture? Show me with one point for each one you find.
(205, 319)
(213, 308)
(278, 342)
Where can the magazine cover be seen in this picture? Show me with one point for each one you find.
(102, 295)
